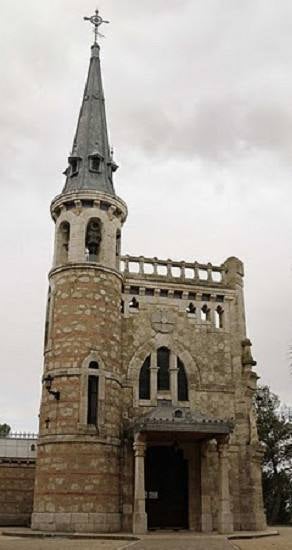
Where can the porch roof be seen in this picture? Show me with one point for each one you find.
(169, 418)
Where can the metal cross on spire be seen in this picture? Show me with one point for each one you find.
(96, 20)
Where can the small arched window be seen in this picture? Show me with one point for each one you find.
(63, 239)
(93, 365)
(182, 382)
(92, 400)
(163, 355)
(205, 313)
(219, 317)
(93, 239)
(144, 380)
(47, 323)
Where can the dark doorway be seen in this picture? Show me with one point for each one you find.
(166, 485)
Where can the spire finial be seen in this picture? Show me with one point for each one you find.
(96, 20)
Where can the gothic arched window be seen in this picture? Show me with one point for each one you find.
(182, 382)
(144, 380)
(93, 239)
(163, 355)
(174, 387)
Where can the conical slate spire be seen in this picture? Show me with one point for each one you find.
(90, 164)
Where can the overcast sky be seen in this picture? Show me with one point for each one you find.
(199, 105)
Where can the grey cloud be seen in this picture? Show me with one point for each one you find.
(198, 98)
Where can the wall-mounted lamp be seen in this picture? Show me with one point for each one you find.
(48, 385)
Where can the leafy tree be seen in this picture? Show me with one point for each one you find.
(276, 433)
(4, 430)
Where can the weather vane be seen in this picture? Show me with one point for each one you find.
(96, 20)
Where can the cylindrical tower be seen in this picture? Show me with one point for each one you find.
(77, 477)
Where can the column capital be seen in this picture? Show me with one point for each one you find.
(222, 446)
(208, 445)
(139, 448)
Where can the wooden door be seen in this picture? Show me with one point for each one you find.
(166, 485)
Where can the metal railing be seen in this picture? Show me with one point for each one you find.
(19, 435)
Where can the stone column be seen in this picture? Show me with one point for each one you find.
(225, 518)
(257, 520)
(153, 378)
(139, 515)
(192, 455)
(206, 512)
(173, 370)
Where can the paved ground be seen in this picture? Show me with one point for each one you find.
(165, 542)
(10, 543)
(183, 543)
(282, 542)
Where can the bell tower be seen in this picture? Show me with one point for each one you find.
(78, 469)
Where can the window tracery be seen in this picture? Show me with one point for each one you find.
(172, 381)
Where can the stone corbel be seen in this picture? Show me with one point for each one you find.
(111, 212)
(78, 207)
(246, 355)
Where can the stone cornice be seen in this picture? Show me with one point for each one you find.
(85, 267)
(113, 202)
(82, 438)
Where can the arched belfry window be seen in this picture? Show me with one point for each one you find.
(118, 247)
(93, 239)
(63, 239)
(163, 355)
(182, 382)
(144, 380)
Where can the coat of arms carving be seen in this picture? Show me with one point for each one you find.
(163, 321)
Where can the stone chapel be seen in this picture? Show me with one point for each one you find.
(146, 417)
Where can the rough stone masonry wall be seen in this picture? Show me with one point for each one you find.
(218, 386)
(16, 491)
(77, 479)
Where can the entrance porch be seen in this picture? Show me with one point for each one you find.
(175, 451)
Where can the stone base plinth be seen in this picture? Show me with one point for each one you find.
(139, 524)
(15, 519)
(255, 522)
(206, 523)
(225, 523)
(76, 522)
